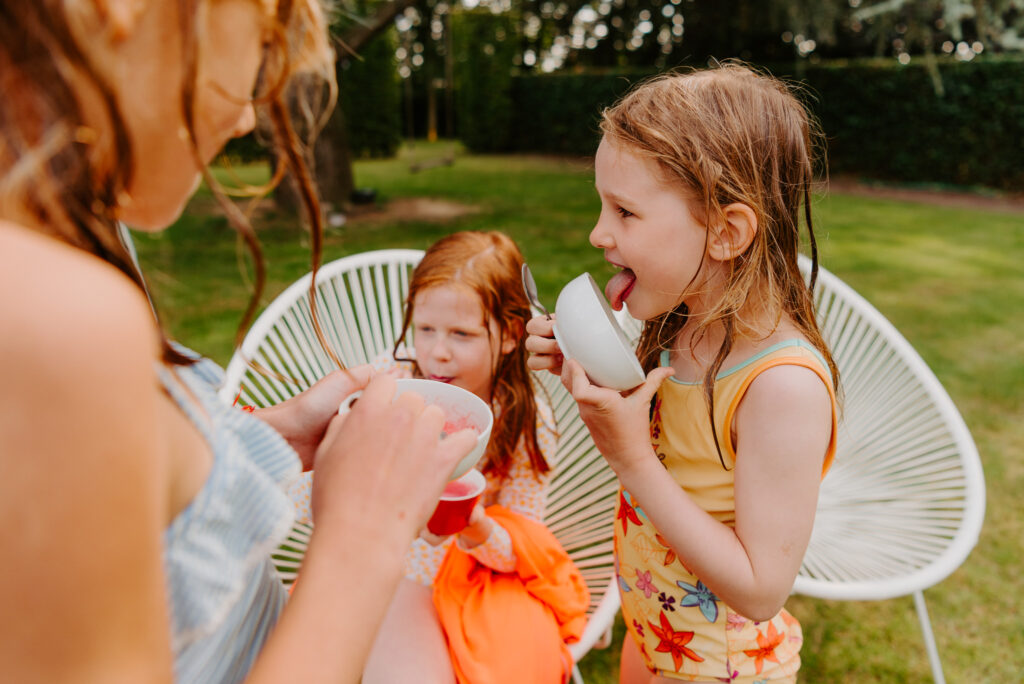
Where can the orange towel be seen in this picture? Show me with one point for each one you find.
(509, 628)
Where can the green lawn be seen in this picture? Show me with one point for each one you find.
(949, 279)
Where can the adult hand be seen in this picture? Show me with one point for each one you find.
(380, 468)
(618, 422)
(302, 420)
(540, 342)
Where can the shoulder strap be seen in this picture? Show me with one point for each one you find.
(771, 362)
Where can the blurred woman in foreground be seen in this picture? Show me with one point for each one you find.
(139, 513)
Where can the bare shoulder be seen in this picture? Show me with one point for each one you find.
(63, 304)
(84, 470)
(791, 387)
(789, 408)
(79, 343)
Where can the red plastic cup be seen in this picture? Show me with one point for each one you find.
(457, 501)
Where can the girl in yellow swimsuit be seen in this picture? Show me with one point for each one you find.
(704, 179)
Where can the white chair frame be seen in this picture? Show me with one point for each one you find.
(904, 503)
(900, 510)
(360, 300)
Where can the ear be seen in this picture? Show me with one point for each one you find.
(510, 340)
(735, 233)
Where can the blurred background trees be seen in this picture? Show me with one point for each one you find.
(909, 90)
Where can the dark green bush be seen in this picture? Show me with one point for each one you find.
(887, 121)
(245, 150)
(484, 47)
(882, 119)
(368, 92)
(560, 112)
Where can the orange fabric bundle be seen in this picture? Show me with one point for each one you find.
(508, 628)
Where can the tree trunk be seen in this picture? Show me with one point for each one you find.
(331, 154)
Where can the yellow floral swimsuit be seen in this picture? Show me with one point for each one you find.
(683, 631)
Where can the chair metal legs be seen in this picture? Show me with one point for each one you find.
(929, 638)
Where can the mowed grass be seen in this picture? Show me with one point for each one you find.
(949, 279)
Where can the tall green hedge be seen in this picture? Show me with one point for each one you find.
(369, 92)
(888, 121)
(484, 47)
(560, 112)
(882, 119)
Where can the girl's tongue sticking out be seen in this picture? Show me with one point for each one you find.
(619, 287)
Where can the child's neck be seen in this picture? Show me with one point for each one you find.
(695, 350)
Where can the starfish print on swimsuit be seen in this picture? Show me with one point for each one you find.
(626, 513)
(673, 642)
(766, 647)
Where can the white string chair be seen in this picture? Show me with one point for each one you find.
(903, 504)
(360, 300)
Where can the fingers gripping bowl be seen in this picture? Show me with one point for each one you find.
(462, 409)
(586, 330)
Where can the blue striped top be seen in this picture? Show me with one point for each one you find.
(224, 593)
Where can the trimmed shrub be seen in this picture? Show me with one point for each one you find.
(886, 120)
(882, 119)
(369, 93)
(560, 112)
(484, 46)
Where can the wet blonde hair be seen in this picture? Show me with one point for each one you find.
(728, 135)
(56, 171)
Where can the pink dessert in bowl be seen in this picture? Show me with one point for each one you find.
(462, 409)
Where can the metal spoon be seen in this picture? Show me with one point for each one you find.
(530, 287)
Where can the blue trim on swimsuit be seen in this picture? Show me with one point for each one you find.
(664, 360)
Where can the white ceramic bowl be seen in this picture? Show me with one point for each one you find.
(586, 330)
(461, 408)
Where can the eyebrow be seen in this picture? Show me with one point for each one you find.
(618, 199)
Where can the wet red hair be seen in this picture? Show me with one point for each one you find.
(489, 264)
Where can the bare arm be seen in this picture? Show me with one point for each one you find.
(783, 427)
(87, 484)
(303, 419)
(83, 495)
(379, 472)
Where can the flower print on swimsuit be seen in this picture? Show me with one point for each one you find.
(626, 513)
(700, 596)
(766, 643)
(734, 621)
(644, 583)
(673, 642)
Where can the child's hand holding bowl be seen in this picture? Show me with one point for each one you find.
(584, 328)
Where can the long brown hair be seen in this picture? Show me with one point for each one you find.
(489, 265)
(725, 135)
(54, 169)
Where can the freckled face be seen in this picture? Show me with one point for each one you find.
(646, 228)
(452, 342)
